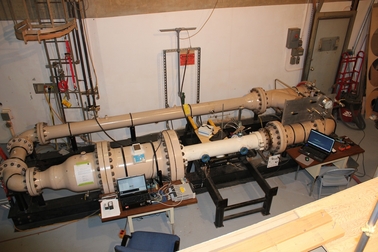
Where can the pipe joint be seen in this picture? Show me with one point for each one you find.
(262, 100)
(12, 166)
(33, 188)
(265, 141)
(19, 142)
(278, 136)
(41, 133)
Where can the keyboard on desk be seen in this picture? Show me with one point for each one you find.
(313, 153)
(135, 201)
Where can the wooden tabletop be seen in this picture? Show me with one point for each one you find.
(354, 150)
(149, 208)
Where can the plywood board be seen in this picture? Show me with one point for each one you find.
(311, 239)
(289, 233)
(372, 64)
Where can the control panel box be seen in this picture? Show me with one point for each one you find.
(181, 192)
(293, 38)
(138, 153)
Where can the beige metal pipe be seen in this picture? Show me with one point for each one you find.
(257, 100)
(29, 135)
(101, 169)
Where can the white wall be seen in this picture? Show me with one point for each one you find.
(242, 48)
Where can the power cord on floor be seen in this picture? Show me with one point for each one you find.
(363, 159)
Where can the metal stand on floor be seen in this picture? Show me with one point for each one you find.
(222, 204)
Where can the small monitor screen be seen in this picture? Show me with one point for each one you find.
(320, 140)
(131, 185)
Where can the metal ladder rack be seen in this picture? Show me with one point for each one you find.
(58, 25)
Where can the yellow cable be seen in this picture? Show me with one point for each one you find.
(216, 3)
(48, 102)
(211, 122)
(194, 125)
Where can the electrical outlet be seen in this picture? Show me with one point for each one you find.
(41, 88)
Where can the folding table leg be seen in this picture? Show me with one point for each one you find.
(296, 173)
(312, 186)
(171, 216)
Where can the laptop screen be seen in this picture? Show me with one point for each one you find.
(131, 185)
(321, 141)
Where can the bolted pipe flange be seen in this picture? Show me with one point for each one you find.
(175, 157)
(16, 165)
(30, 182)
(278, 136)
(266, 138)
(20, 142)
(262, 96)
(40, 129)
(104, 161)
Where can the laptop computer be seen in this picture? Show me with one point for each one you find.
(133, 191)
(318, 146)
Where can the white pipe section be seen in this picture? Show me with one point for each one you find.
(230, 145)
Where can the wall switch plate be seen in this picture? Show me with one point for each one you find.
(6, 115)
(297, 51)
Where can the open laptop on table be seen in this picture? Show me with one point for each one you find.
(133, 192)
(318, 146)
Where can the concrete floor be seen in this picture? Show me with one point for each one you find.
(193, 223)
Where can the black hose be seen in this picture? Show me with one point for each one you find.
(80, 21)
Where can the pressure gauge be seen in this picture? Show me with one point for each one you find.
(326, 103)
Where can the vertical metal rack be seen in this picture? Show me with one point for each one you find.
(59, 26)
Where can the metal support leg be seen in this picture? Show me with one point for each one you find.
(296, 173)
(168, 211)
(312, 185)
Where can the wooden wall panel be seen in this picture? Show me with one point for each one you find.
(372, 66)
(112, 8)
(100, 8)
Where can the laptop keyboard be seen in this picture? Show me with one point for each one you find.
(313, 153)
(136, 199)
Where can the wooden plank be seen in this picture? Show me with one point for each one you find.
(310, 239)
(243, 233)
(350, 209)
(282, 233)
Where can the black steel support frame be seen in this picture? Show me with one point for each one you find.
(222, 204)
(41, 213)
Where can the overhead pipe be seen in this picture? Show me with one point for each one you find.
(258, 100)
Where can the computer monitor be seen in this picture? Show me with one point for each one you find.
(321, 140)
(131, 185)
